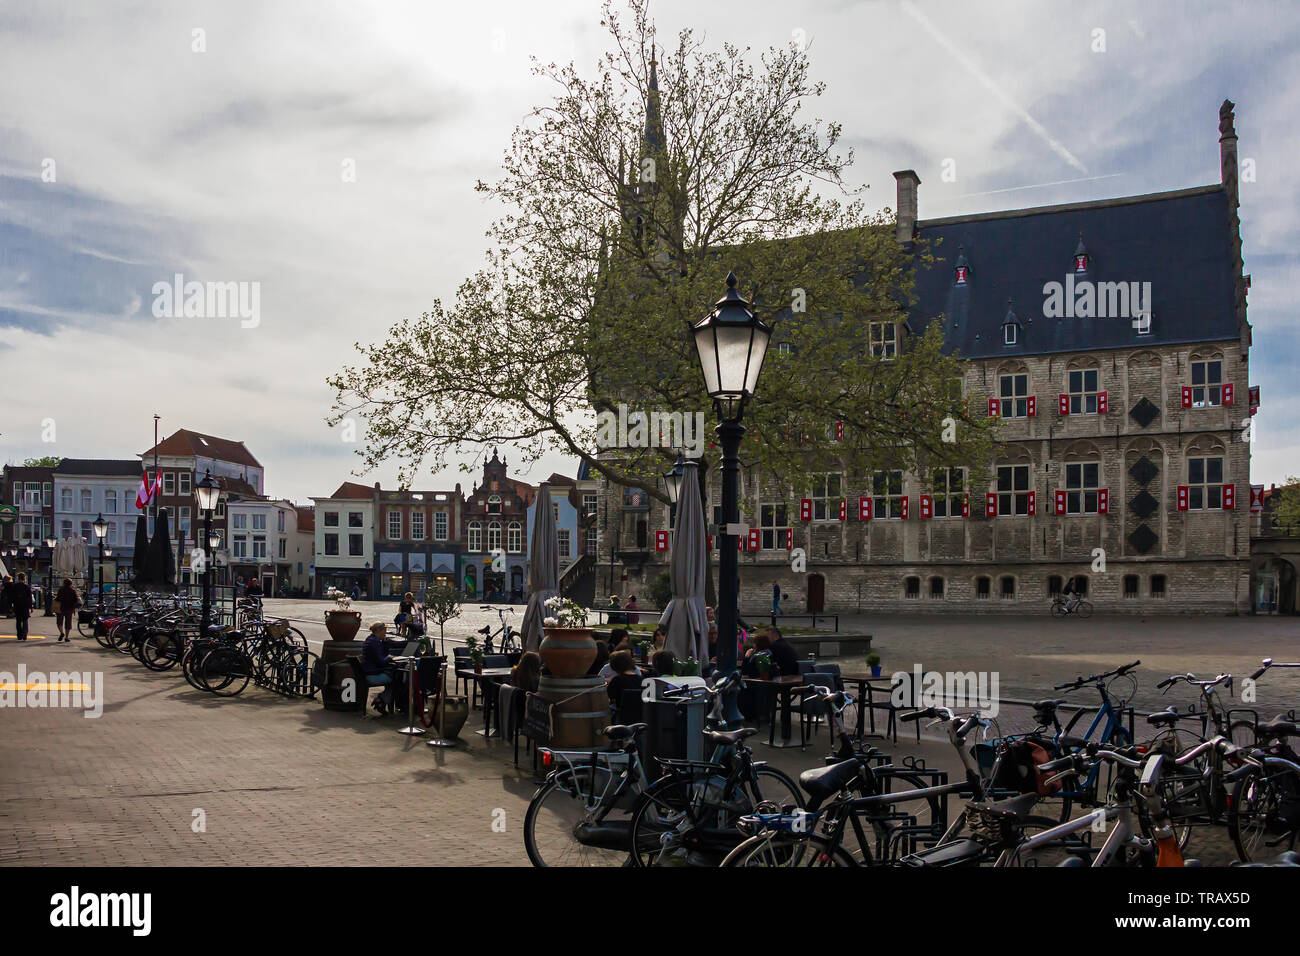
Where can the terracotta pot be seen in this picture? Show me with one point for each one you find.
(342, 625)
(567, 651)
(478, 668)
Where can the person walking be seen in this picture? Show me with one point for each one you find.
(6, 596)
(776, 597)
(631, 608)
(66, 603)
(21, 597)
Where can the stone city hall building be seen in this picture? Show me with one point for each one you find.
(1124, 400)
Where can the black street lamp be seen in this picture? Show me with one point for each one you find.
(49, 579)
(100, 527)
(207, 492)
(731, 342)
(673, 482)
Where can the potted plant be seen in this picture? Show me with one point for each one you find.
(341, 621)
(568, 649)
(688, 668)
(763, 664)
(475, 648)
(873, 661)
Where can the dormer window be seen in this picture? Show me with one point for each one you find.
(494, 504)
(1080, 256)
(1010, 327)
(1142, 324)
(962, 269)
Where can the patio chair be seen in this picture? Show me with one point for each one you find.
(812, 709)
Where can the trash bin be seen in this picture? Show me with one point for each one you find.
(675, 730)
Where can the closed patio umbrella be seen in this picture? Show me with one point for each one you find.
(684, 620)
(160, 564)
(543, 568)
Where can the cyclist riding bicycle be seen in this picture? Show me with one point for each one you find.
(1071, 594)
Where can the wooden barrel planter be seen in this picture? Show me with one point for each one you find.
(579, 712)
(337, 670)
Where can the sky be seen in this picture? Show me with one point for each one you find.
(327, 152)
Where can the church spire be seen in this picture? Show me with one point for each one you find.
(654, 127)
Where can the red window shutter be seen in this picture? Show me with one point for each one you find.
(1227, 394)
(1101, 403)
(844, 509)
(1033, 406)
(1064, 404)
(990, 505)
(805, 509)
(1031, 503)
(1060, 501)
(1103, 501)
(789, 539)
(710, 537)
(1182, 497)
(864, 509)
(965, 505)
(1187, 396)
(661, 540)
(994, 409)
(755, 539)
(1229, 497)
(927, 506)
(839, 431)
(903, 504)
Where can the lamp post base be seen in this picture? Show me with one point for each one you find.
(440, 742)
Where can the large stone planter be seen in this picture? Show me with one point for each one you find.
(342, 625)
(457, 712)
(567, 651)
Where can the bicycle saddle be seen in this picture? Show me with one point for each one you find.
(618, 732)
(729, 737)
(1048, 704)
(823, 782)
(485, 630)
(1165, 718)
(1279, 727)
(1012, 808)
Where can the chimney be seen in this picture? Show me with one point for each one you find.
(907, 182)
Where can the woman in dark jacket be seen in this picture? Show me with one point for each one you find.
(68, 600)
(21, 596)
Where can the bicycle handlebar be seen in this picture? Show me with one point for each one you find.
(1082, 681)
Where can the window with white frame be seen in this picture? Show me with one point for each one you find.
(884, 340)
(331, 519)
(279, 521)
(773, 523)
(169, 482)
(331, 544)
(47, 493)
(440, 525)
(563, 542)
(356, 545)
(110, 500)
(354, 519)
(1081, 484)
(827, 491)
(184, 486)
(259, 522)
(417, 525)
(183, 521)
(1013, 395)
(589, 504)
(283, 548)
(949, 491)
(593, 540)
(887, 494)
(87, 500)
(1083, 391)
(1204, 483)
(65, 529)
(87, 533)
(1013, 490)
(494, 535)
(239, 521)
(515, 537)
(65, 499)
(494, 504)
(475, 536)
(240, 549)
(394, 524)
(259, 546)
(1207, 383)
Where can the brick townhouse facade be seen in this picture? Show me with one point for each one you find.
(1122, 437)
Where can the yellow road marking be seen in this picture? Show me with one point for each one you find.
(30, 686)
(14, 637)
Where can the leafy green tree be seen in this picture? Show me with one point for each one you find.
(1286, 504)
(49, 461)
(626, 201)
(441, 604)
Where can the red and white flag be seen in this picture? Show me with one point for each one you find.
(146, 493)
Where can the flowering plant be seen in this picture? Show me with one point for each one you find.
(564, 613)
(340, 598)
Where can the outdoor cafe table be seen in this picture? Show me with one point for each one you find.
(784, 686)
(487, 679)
(866, 687)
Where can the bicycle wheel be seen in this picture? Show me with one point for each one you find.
(665, 821)
(1242, 733)
(771, 784)
(558, 820)
(103, 637)
(790, 850)
(1182, 791)
(1255, 822)
(158, 651)
(85, 629)
(896, 838)
(1083, 609)
(1058, 609)
(120, 638)
(226, 671)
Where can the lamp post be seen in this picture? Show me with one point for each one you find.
(206, 492)
(673, 482)
(100, 527)
(731, 342)
(49, 579)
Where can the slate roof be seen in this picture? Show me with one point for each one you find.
(129, 467)
(185, 442)
(1178, 241)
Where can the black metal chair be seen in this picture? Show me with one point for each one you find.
(812, 709)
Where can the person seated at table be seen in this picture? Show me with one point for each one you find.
(378, 665)
(663, 663)
(616, 643)
(602, 658)
(617, 636)
(783, 656)
(528, 672)
(659, 638)
(626, 676)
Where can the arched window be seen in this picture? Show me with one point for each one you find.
(475, 536)
(494, 504)
(494, 535)
(87, 504)
(110, 500)
(514, 537)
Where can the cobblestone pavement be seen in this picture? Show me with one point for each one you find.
(285, 782)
